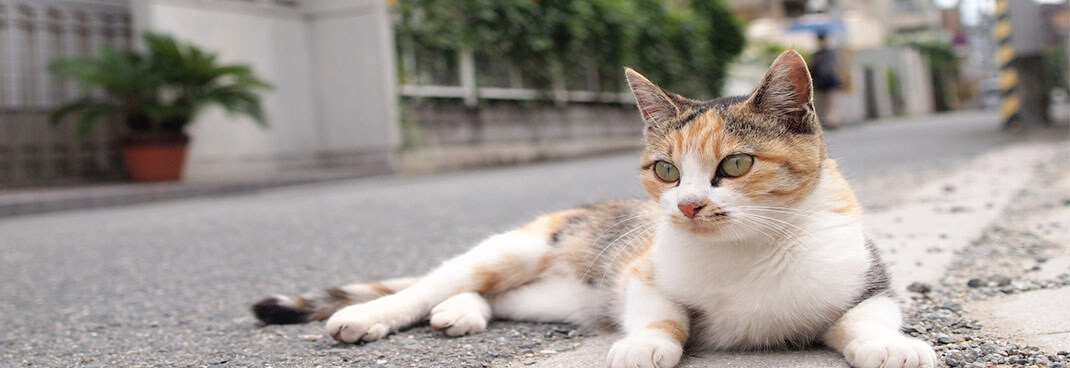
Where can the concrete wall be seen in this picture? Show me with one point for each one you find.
(353, 66)
(331, 63)
(915, 81)
(444, 134)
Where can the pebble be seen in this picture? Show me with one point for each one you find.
(955, 358)
(944, 339)
(975, 283)
(919, 287)
(1002, 280)
(971, 354)
(990, 348)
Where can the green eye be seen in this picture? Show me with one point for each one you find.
(736, 165)
(666, 172)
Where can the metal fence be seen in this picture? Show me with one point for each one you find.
(32, 34)
(468, 76)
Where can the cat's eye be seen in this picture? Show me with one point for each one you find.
(666, 172)
(736, 165)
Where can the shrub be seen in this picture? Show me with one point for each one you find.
(158, 91)
(683, 45)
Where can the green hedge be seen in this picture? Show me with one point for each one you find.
(683, 45)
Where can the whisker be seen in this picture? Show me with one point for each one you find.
(620, 250)
(774, 222)
(610, 245)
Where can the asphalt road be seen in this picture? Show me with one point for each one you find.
(168, 284)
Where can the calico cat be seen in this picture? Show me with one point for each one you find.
(751, 240)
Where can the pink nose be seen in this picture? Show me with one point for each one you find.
(691, 208)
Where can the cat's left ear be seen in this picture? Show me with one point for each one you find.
(786, 93)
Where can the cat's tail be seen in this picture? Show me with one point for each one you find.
(319, 305)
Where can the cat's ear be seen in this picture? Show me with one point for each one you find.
(655, 105)
(786, 93)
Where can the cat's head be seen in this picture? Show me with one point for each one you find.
(712, 164)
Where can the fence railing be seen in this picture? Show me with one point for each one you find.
(463, 75)
(32, 34)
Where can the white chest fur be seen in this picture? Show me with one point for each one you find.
(754, 294)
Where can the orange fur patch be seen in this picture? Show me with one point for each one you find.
(640, 265)
(380, 288)
(501, 275)
(544, 263)
(672, 328)
(549, 223)
(703, 136)
(841, 191)
(300, 302)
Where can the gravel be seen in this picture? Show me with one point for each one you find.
(1000, 262)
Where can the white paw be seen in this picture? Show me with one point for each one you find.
(461, 314)
(645, 352)
(365, 322)
(890, 352)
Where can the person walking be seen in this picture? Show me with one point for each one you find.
(823, 65)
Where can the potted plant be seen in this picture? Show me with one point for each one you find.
(156, 93)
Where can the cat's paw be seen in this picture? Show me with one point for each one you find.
(363, 322)
(890, 352)
(645, 352)
(461, 314)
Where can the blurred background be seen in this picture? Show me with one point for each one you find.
(409, 121)
(361, 87)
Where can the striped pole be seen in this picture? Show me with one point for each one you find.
(1008, 73)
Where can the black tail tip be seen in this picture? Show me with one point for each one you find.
(273, 311)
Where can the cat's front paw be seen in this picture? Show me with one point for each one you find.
(645, 352)
(362, 322)
(461, 314)
(890, 352)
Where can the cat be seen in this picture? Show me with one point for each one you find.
(751, 240)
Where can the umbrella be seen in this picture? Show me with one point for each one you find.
(820, 25)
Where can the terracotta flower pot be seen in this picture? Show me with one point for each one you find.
(155, 157)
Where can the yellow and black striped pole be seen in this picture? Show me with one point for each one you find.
(1008, 73)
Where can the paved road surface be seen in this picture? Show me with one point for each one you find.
(168, 284)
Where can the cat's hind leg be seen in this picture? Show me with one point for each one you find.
(500, 263)
(551, 298)
(318, 305)
(868, 336)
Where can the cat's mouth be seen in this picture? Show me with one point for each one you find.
(708, 224)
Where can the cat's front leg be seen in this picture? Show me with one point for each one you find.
(656, 328)
(868, 336)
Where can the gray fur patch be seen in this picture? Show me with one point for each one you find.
(877, 279)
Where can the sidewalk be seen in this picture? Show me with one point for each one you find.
(27, 201)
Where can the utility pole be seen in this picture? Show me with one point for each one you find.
(1022, 84)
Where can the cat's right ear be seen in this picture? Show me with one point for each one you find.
(656, 107)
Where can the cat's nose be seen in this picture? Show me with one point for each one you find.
(689, 209)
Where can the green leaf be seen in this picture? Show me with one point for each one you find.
(167, 84)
